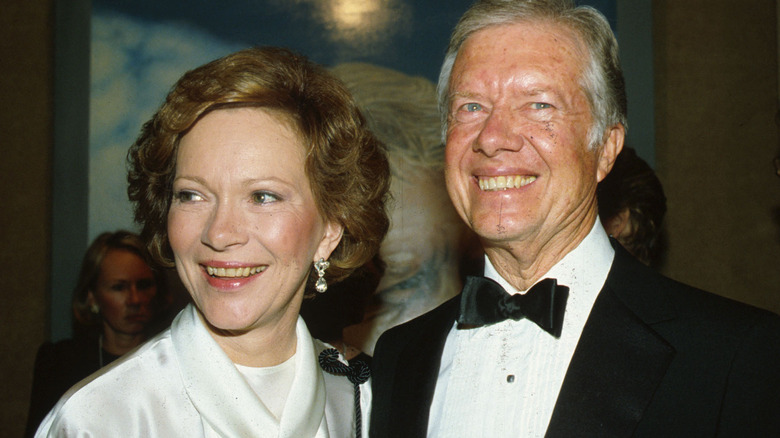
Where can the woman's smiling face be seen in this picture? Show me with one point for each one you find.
(243, 223)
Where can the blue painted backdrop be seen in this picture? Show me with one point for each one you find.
(140, 47)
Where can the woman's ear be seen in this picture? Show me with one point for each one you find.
(609, 151)
(92, 303)
(330, 240)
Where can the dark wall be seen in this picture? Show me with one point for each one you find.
(26, 134)
(716, 134)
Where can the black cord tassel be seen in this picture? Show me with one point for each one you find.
(357, 372)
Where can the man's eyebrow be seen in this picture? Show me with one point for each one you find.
(552, 92)
(466, 94)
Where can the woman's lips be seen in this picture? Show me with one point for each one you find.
(138, 317)
(231, 277)
(245, 271)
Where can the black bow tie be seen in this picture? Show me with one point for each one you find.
(485, 302)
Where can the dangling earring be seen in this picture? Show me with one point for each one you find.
(94, 308)
(321, 265)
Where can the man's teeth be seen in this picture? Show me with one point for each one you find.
(234, 272)
(504, 182)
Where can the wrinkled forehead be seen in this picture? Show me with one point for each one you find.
(505, 39)
(535, 54)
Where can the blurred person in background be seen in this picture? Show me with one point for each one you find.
(427, 242)
(117, 300)
(632, 206)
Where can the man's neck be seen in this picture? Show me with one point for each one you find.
(523, 263)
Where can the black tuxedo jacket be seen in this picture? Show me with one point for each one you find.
(656, 358)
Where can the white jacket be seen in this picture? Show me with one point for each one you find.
(181, 384)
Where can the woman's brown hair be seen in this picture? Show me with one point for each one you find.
(346, 165)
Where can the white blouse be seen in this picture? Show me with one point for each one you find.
(181, 384)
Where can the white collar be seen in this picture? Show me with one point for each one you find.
(585, 265)
(228, 404)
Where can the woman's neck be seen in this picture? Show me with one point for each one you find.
(261, 346)
(120, 343)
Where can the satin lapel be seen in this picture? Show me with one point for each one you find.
(220, 394)
(304, 410)
(415, 379)
(619, 361)
(228, 404)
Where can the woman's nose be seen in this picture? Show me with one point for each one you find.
(134, 297)
(225, 228)
(140, 293)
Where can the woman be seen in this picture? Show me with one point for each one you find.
(116, 299)
(257, 178)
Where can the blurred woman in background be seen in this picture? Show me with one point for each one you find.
(115, 304)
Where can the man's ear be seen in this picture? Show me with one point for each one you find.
(609, 151)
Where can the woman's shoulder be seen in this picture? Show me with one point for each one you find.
(135, 371)
(68, 348)
(134, 386)
(69, 359)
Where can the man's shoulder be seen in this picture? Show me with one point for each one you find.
(658, 297)
(433, 324)
(440, 317)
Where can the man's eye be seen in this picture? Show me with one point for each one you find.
(540, 105)
(118, 287)
(264, 197)
(472, 107)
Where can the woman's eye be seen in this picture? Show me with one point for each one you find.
(186, 196)
(264, 197)
(117, 287)
(540, 105)
(144, 284)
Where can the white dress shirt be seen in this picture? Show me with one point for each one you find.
(503, 380)
(181, 384)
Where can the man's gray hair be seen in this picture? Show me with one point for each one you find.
(602, 80)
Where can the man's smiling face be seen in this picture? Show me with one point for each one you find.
(518, 166)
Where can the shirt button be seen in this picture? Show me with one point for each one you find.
(510, 378)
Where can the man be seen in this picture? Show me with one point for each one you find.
(534, 111)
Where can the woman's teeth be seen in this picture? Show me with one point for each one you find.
(234, 272)
(504, 182)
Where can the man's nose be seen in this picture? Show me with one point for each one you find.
(498, 133)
